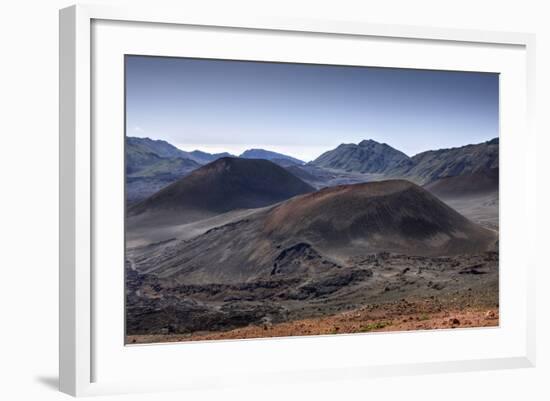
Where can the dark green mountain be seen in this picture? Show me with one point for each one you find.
(152, 165)
(365, 157)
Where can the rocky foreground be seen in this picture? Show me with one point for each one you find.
(395, 316)
(383, 292)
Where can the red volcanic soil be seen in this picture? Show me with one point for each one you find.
(400, 316)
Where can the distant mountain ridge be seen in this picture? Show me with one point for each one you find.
(165, 149)
(156, 146)
(269, 155)
(153, 164)
(369, 156)
(431, 165)
(204, 157)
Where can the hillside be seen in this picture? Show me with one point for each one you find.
(479, 183)
(151, 166)
(434, 164)
(394, 216)
(371, 157)
(314, 233)
(223, 185)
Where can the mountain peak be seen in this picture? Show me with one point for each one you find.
(368, 156)
(394, 215)
(367, 142)
(225, 184)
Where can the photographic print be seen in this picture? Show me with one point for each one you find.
(269, 199)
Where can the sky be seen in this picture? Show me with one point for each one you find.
(304, 110)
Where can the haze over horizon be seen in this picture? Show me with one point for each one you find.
(303, 110)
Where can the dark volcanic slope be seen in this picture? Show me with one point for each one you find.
(479, 183)
(395, 215)
(316, 232)
(223, 185)
(366, 157)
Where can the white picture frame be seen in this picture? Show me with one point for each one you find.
(80, 343)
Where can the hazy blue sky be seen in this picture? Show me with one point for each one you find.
(303, 110)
